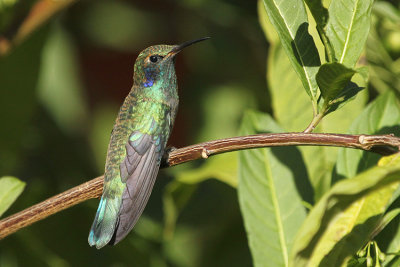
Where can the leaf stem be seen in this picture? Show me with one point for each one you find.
(315, 121)
(41, 12)
(382, 144)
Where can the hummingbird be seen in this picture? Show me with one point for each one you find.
(137, 144)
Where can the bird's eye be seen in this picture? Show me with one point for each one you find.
(154, 59)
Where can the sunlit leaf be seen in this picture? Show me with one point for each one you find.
(291, 110)
(319, 11)
(347, 29)
(320, 15)
(345, 218)
(10, 189)
(382, 116)
(290, 21)
(269, 30)
(272, 183)
(289, 101)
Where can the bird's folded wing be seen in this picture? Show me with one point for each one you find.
(138, 171)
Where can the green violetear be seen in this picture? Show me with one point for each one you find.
(137, 143)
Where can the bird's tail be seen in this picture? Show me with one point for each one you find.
(104, 223)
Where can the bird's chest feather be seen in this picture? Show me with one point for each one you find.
(139, 116)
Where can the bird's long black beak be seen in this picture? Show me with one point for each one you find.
(176, 49)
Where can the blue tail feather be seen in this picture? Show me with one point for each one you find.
(103, 226)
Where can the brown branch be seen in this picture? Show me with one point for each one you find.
(382, 144)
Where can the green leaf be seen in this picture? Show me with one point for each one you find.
(336, 87)
(349, 93)
(347, 29)
(364, 73)
(269, 30)
(387, 218)
(394, 261)
(382, 116)
(346, 217)
(10, 189)
(332, 79)
(290, 109)
(390, 239)
(318, 11)
(290, 21)
(389, 232)
(272, 182)
(289, 102)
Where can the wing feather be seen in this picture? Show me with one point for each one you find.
(139, 171)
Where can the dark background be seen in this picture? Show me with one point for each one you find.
(60, 90)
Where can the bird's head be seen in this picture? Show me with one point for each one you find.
(156, 63)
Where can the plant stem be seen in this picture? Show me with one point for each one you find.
(382, 144)
(41, 12)
(315, 121)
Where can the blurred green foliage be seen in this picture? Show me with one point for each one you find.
(60, 90)
(62, 85)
